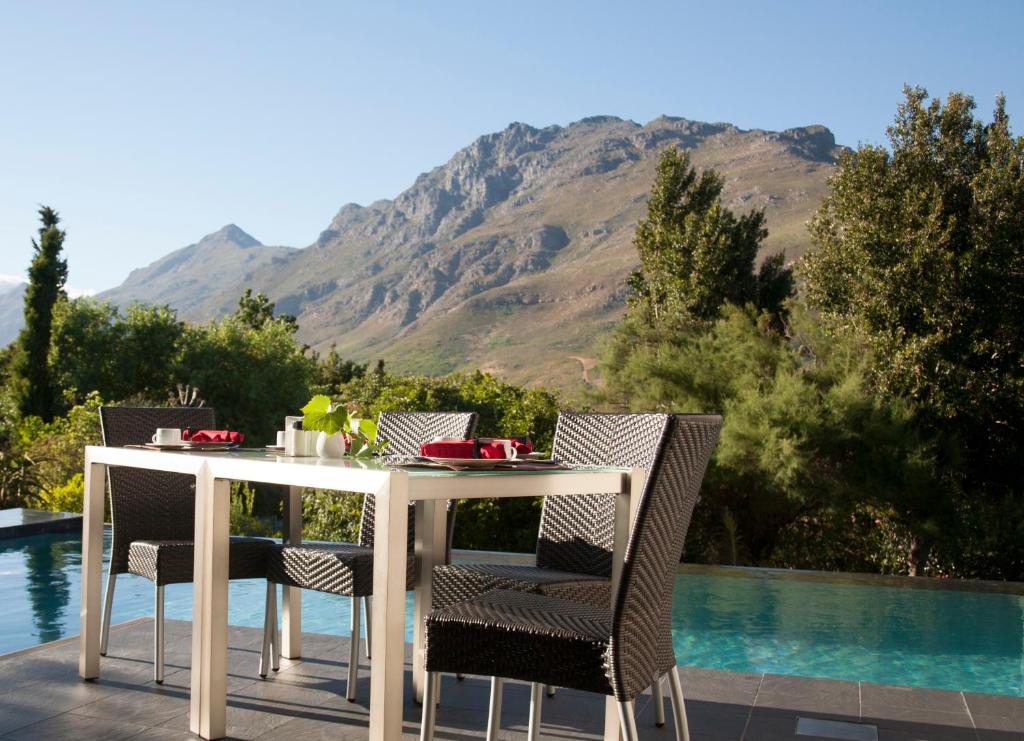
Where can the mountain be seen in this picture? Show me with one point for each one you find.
(511, 257)
(12, 311)
(204, 279)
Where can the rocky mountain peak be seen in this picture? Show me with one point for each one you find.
(233, 234)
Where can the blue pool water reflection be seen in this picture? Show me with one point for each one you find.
(947, 639)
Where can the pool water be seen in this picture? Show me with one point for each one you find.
(971, 641)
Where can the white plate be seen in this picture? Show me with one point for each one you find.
(468, 462)
(191, 446)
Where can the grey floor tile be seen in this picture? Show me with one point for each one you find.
(996, 715)
(906, 717)
(147, 705)
(771, 726)
(44, 700)
(1000, 735)
(78, 727)
(882, 695)
(41, 691)
(821, 697)
(710, 684)
(926, 733)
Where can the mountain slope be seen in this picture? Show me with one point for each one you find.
(12, 311)
(218, 265)
(512, 256)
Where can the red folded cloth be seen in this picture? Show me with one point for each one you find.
(213, 436)
(489, 448)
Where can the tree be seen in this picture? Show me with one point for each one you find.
(696, 257)
(334, 370)
(695, 254)
(253, 377)
(255, 311)
(96, 348)
(919, 250)
(34, 389)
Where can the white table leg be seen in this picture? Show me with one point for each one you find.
(92, 563)
(291, 597)
(431, 536)
(626, 503)
(391, 527)
(208, 716)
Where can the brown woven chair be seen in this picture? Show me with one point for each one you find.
(153, 517)
(347, 569)
(574, 545)
(615, 649)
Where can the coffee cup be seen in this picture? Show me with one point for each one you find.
(510, 449)
(167, 436)
(280, 438)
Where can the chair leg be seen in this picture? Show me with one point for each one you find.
(353, 654)
(275, 630)
(429, 708)
(494, 711)
(108, 601)
(678, 705)
(658, 698)
(535, 703)
(158, 637)
(268, 626)
(368, 609)
(550, 689)
(627, 719)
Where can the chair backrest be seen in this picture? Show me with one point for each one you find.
(642, 614)
(577, 532)
(148, 505)
(404, 432)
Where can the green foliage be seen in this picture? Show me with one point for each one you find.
(504, 409)
(96, 349)
(803, 438)
(244, 519)
(33, 387)
(333, 371)
(920, 254)
(695, 254)
(65, 497)
(253, 377)
(360, 434)
(330, 515)
(320, 414)
(256, 311)
(19, 477)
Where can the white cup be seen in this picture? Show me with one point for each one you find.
(167, 436)
(280, 438)
(510, 449)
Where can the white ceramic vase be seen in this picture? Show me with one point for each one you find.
(330, 446)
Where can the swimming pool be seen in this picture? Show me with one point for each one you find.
(947, 639)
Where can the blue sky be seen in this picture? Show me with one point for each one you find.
(148, 125)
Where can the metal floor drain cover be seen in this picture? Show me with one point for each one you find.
(836, 729)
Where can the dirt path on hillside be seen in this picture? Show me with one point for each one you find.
(587, 364)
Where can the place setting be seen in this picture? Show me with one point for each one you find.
(206, 441)
(478, 454)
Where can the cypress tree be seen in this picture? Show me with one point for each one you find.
(34, 388)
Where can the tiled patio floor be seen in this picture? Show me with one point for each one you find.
(41, 697)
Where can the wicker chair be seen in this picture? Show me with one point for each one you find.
(153, 516)
(574, 545)
(611, 650)
(347, 569)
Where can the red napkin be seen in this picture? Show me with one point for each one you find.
(213, 436)
(487, 448)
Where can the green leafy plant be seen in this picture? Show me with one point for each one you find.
(323, 415)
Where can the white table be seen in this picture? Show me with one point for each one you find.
(393, 489)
